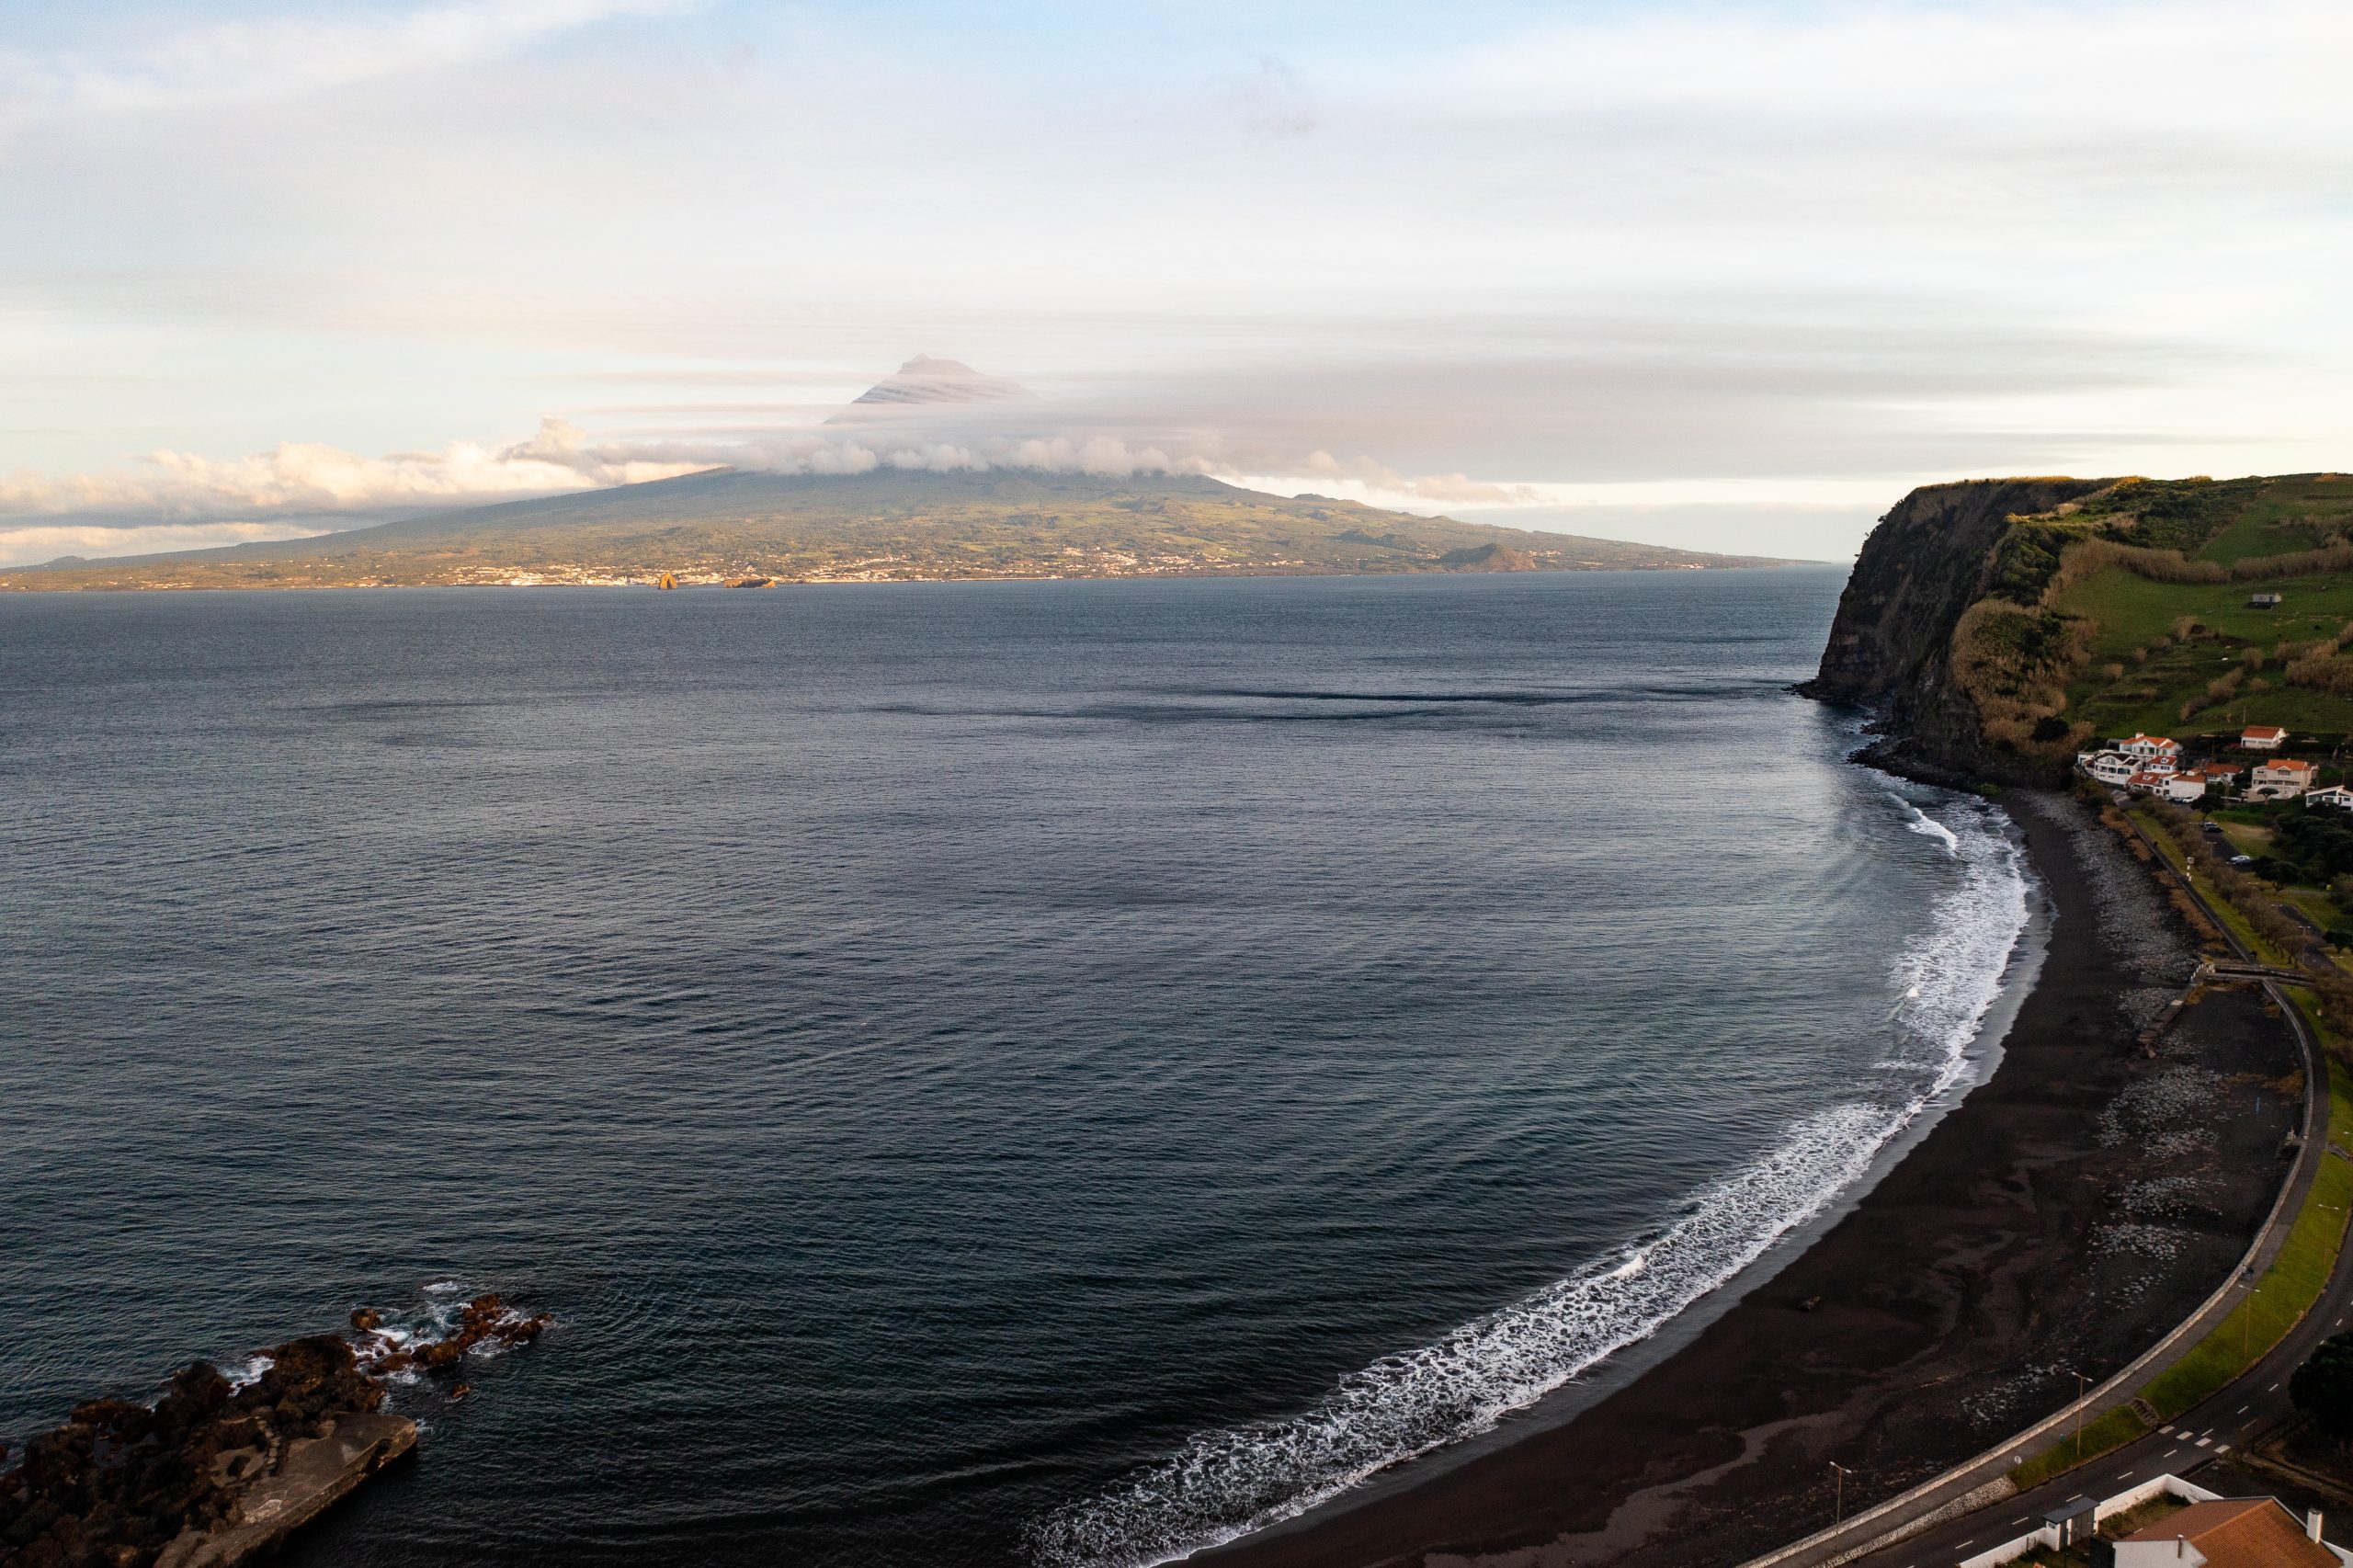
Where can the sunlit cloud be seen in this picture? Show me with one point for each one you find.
(308, 478)
(288, 55)
(35, 544)
(1787, 255)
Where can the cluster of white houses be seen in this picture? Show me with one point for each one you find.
(2152, 764)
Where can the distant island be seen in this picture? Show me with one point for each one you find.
(739, 526)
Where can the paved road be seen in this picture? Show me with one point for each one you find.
(2225, 1422)
(2248, 1405)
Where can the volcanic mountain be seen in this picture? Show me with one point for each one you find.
(726, 524)
(887, 522)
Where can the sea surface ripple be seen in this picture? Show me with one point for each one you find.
(993, 1073)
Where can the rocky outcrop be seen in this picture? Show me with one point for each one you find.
(486, 1320)
(213, 1474)
(205, 1476)
(1891, 644)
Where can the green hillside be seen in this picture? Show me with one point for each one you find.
(730, 525)
(2130, 609)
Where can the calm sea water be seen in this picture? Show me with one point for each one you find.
(983, 1074)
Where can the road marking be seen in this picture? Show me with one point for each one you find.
(2273, 1389)
(2170, 1452)
(2221, 1447)
(2203, 1442)
(2240, 1411)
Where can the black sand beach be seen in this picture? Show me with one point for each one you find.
(2060, 1219)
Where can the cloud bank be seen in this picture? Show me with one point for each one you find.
(182, 500)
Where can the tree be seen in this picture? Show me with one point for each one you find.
(2322, 1387)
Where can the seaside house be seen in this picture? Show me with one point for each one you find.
(2112, 768)
(2146, 749)
(2283, 779)
(2262, 737)
(2335, 796)
(2231, 1532)
(2184, 788)
(2210, 1531)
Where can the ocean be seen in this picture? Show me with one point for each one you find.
(1043, 1073)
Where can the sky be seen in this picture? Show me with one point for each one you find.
(1727, 276)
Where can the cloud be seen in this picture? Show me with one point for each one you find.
(310, 478)
(39, 542)
(179, 496)
(291, 55)
(1379, 478)
(1273, 101)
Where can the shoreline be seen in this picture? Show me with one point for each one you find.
(1984, 1243)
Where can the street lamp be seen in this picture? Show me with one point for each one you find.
(2247, 1311)
(1839, 1514)
(2082, 1382)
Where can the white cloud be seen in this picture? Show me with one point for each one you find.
(1699, 241)
(39, 542)
(291, 55)
(310, 478)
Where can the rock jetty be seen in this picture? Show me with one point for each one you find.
(214, 1474)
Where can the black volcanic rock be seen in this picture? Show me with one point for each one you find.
(210, 1475)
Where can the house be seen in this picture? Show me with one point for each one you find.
(2282, 780)
(2220, 775)
(2335, 795)
(2150, 748)
(2231, 1532)
(2263, 601)
(2184, 788)
(2210, 1530)
(2111, 767)
(2262, 737)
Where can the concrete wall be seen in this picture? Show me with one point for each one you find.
(2108, 1507)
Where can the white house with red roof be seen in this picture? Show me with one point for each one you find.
(2283, 779)
(2112, 768)
(2262, 737)
(2145, 749)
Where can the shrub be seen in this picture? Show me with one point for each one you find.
(2336, 556)
(2322, 1387)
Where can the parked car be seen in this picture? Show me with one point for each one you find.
(2242, 859)
(2211, 826)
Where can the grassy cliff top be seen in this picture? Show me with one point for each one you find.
(2131, 609)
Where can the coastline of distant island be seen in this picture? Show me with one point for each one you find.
(745, 528)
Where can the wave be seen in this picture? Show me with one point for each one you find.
(1921, 823)
(1223, 1484)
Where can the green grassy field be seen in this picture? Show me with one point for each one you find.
(2141, 671)
(2132, 613)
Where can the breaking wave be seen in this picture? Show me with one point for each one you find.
(1223, 1484)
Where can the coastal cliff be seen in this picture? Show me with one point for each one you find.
(1930, 561)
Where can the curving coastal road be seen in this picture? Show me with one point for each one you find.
(2246, 1407)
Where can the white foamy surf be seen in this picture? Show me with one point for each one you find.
(1223, 1484)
